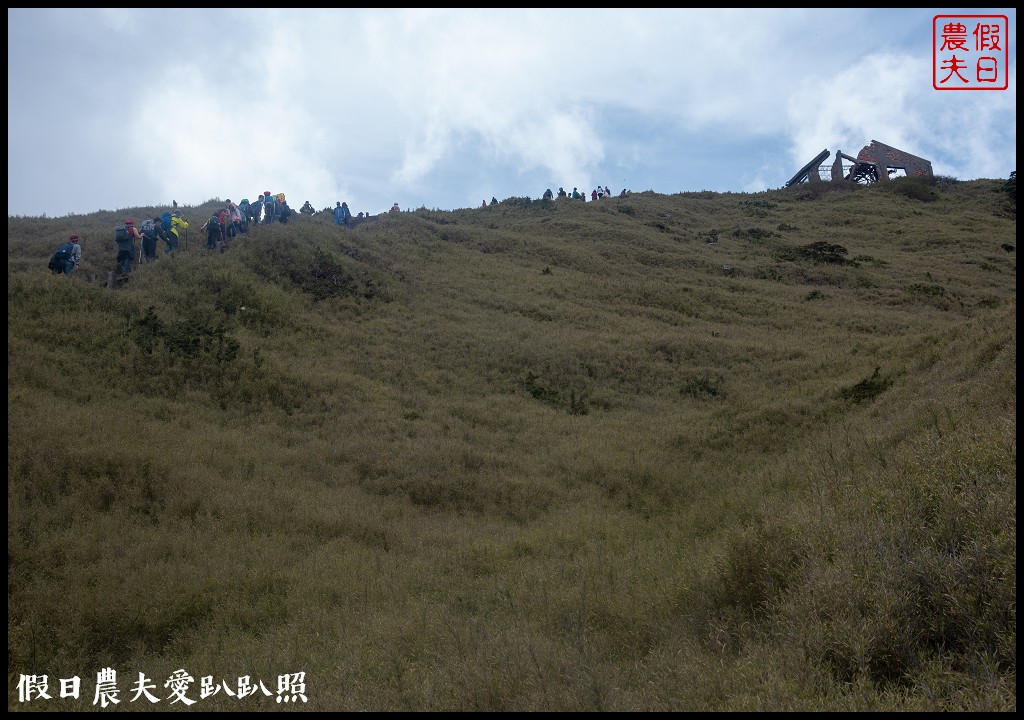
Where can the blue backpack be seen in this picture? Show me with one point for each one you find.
(63, 254)
(165, 221)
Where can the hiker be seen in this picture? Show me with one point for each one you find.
(623, 193)
(67, 256)
(283, 212)
(126, 245)
(307, 209)
(255, 210)
(76, 253)
(484, 204)
(561, 192)
(395, 208)
(269, 207)
(593, 195)
(576, 194)
(548, 195)
(607, 192)
(151, 232)
(494, 200)
(243, 210)
(163, 232)
(214, 233)
(342, 215)
(149, 238)
(178, 225)
(235, 218)
(225, 224)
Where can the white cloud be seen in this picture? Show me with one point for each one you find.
(443, 107)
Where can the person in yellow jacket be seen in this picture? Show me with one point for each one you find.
(179, 227)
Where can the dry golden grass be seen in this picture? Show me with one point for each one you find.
(699, 452)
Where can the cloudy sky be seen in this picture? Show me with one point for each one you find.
(116, 108)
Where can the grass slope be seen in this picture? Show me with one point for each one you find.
(693, 452)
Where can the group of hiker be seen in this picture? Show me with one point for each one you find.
(342, 215)
(138, 244)
(224, 224)
(233, 219)
(167, 227)
(595, 194)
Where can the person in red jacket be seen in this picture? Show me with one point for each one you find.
(133, 234)
(224, 219)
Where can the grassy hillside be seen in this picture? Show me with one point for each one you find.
(704, 451)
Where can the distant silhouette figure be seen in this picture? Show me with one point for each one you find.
(395, 208)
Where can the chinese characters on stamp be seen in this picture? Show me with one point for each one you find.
(970, 52)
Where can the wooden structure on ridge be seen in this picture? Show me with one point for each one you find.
(874, 163)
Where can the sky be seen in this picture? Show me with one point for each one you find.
(446, 108)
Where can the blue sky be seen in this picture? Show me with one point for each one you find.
(117, 108)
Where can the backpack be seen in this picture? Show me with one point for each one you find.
(149, 229)
(121, 234)
(269, 201)
(60, 257)
(165, 221)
